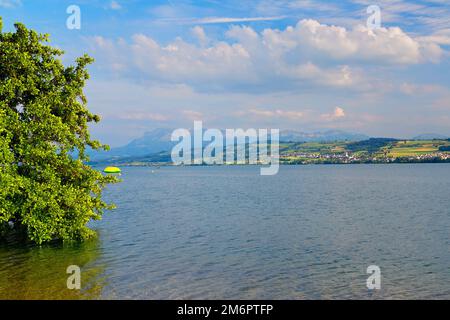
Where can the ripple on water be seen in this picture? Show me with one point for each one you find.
(227, 233)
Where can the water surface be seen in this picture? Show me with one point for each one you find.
(309, 232)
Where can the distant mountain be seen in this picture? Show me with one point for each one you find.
(158, 140)
(326, 136)
(151, 142)
(430, 136)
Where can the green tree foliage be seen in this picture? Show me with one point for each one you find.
(47, 190)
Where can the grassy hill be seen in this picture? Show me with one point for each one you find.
(374, 150)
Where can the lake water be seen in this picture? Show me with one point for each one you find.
(309, 232)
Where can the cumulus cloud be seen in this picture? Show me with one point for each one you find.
(200, 34)
(338, 113)
(309, 53)
(383, 45)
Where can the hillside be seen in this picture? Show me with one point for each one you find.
(158, 140)
(373, 150)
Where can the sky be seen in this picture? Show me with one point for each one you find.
(303, 65)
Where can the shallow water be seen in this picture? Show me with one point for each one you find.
(309, 232)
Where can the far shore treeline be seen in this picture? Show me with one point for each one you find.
(372, 150)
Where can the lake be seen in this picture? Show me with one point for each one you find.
(309, 232)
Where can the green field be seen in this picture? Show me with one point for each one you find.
(415, 148)
(364, 151)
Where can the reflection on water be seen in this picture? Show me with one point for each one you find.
(39, 272)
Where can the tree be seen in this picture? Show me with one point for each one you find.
(47, 189)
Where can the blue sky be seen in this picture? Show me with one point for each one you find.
(300, 64)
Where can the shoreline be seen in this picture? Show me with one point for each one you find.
(157, 165)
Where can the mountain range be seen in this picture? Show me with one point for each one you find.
(158, 140)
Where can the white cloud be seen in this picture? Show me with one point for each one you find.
(200, 34)
(384, 45)
(338, 113)
(10, 3)
(441, 37)
(341, 76)
(306, 54)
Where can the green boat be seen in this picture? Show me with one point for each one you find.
(112, 170)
